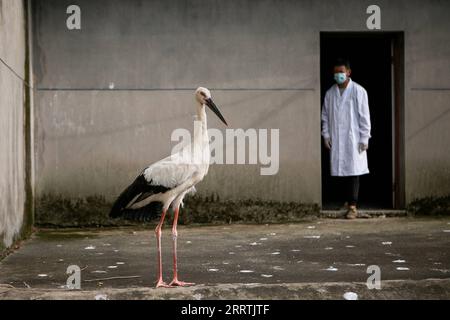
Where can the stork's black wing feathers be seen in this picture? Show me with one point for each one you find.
(139, 189)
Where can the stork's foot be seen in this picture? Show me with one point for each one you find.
(177, 283)
(162, 284)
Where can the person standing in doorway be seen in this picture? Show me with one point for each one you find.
(346, 132)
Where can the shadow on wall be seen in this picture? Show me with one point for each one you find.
(58, 211)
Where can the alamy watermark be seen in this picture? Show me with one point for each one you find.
(374, 280)
(74, 280)
(73, 21)
(373, 22)
(236, 146)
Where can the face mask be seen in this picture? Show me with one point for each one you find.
(340, 77)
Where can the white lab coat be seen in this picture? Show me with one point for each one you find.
(346, 121)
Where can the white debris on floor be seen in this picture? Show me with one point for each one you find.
(399, 261)
(197, 296)
(278, 268)
(392, 254)
(350, 296)
(402, 269)
(331, 268)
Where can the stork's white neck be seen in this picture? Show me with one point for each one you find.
(201, 138)
(201, 113)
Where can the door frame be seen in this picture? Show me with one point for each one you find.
(398, 106)
(398, 75)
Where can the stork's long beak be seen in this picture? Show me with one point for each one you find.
(214, 108)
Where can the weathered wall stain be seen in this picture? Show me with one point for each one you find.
(430, 206)
(92, 211)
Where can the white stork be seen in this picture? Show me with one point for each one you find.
(165, 183)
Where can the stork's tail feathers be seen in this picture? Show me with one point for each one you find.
(147, 213)
(138, 190)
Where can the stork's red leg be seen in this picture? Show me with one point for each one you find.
(159, 281)
(175, 281)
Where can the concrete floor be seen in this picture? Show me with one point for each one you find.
(319, 259)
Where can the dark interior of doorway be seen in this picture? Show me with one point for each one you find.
(370, 58)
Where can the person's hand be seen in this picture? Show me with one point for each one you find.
(363, 147)
(327, 142)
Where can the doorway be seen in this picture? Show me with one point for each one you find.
(376, 60)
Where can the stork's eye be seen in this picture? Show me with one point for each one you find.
(203, 94)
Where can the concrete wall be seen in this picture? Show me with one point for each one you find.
(262, 71)
(260, 58)
(12, 120)
(427, 59)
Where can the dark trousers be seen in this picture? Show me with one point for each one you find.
(350, 187)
